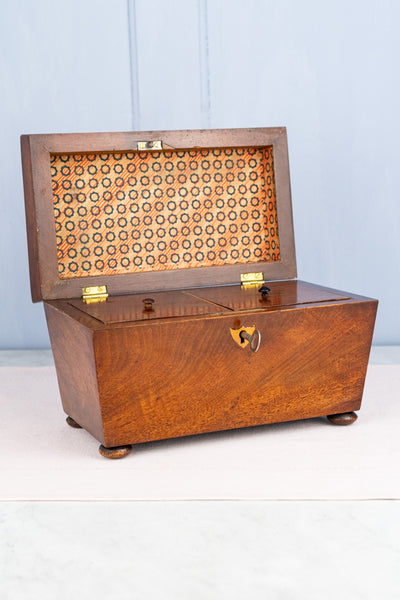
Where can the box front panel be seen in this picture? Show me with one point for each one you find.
(189, 377)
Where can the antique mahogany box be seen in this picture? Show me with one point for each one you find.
(166, 263)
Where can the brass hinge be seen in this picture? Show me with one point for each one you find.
(248, 279)
(156, 145)
(94, 294)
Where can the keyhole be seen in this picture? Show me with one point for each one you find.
(244, 336)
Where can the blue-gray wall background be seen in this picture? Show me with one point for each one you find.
(327, 70)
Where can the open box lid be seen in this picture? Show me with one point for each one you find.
(159, 210)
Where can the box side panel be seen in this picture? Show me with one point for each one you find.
(165, 380)
(72, 346)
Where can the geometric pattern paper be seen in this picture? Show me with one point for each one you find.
(130, 212)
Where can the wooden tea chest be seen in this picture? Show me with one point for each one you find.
(167, 267)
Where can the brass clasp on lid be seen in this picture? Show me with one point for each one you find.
(152, 145)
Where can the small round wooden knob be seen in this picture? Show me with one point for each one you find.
(148, 303)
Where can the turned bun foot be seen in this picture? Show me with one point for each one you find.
(343, 418)
(73, 423)
(116, 452)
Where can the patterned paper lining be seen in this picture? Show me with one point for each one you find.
(132, 212)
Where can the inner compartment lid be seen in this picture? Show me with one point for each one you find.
(282, 293)
(156, 210)
(205, 301)
(150, 306)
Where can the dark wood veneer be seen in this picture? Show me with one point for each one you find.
(182, 375)
(133, 370)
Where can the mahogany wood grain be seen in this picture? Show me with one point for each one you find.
(67, 306)
(168, 379)
(202, 301)
(30, 219)
(282, 293)
(132, 382)
(72, 346)
(131, 307)
(131, 371)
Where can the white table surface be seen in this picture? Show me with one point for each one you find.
(297, 510)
